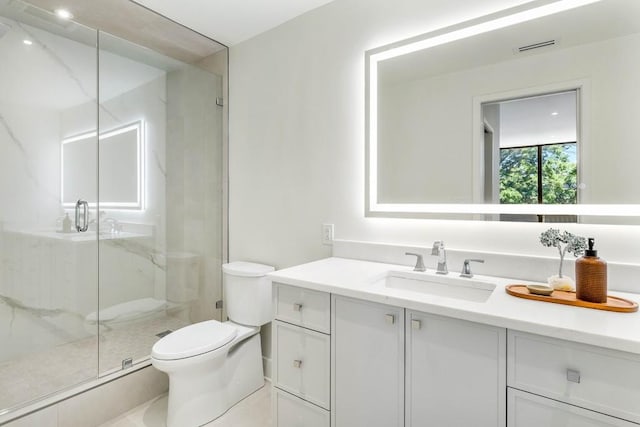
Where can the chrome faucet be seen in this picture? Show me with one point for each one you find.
(466, 267)
(419, 262)
(115, 226)
(439, 251)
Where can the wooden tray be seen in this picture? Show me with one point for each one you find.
(620, 305)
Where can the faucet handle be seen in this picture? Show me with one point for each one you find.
(419, 262)
(466, 267)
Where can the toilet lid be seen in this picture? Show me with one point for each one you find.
(193, 340)
(246, 269)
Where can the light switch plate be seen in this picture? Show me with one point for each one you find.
(327, 234)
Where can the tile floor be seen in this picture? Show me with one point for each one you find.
(40, 374)
(254, 411)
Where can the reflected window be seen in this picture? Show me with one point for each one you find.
(531, 149)
(544, 174)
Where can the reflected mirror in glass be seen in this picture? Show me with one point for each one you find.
(121, 167)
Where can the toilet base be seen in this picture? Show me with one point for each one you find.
(204, 391)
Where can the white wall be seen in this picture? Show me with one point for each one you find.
(297, 140)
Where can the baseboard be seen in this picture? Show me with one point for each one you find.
(99, 404)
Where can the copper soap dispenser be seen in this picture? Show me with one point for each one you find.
(591, 276)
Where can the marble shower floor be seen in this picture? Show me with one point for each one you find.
(37, 375)
(253, 411)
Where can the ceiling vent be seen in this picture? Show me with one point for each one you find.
(538, 45)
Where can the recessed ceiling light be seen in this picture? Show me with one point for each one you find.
(555, 113)
(27, 42)
(63, 14)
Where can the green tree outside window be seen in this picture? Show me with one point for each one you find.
(524, 181)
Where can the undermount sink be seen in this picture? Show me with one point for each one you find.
(450, 286)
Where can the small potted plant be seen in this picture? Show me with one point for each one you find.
(565, 242)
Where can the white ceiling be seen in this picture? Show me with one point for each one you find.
(231, 21)
(544, 119)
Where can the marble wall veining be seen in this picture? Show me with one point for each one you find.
(48, 286)
(30, 126)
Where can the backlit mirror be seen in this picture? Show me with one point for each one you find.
(121, 167)
(527, 114)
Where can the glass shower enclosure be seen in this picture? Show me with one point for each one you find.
(111, 195)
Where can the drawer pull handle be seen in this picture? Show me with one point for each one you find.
(573, 376)
(297, 363)
(390, 319)
(415, 324)
(297, 307)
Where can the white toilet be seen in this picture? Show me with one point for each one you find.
(213, 365)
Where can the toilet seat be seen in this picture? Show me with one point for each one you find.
(194, 340)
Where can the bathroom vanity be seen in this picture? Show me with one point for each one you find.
(360, 343)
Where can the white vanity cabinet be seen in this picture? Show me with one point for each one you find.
(455, 372)
(368, 364)
(301, 357)
(341, 361)
(575, 376)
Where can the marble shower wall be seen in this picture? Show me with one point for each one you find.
(42, 297)
(133, 269)
(30, 110)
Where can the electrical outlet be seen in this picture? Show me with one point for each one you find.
(327, 234)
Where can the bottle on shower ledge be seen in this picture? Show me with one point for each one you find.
(66, 223)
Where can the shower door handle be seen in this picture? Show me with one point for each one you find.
(85, 216)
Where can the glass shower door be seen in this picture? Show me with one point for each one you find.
(48, 158)
(160, 207)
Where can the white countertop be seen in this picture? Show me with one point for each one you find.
(355, 278)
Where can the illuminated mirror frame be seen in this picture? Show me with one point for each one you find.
(138, 204)
(532, 10)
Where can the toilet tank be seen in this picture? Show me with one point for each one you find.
(247, 292)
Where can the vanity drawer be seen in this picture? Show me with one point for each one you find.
(595, 378)
(529, 410)
(311, 309)
(302, 362)
(291, 411)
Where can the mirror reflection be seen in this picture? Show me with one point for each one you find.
(531, 150)
(463, 122)
(121, 163)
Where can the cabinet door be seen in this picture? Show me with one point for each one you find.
(455, 373)
(530, 410)
(301, 363)
(367, 364)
